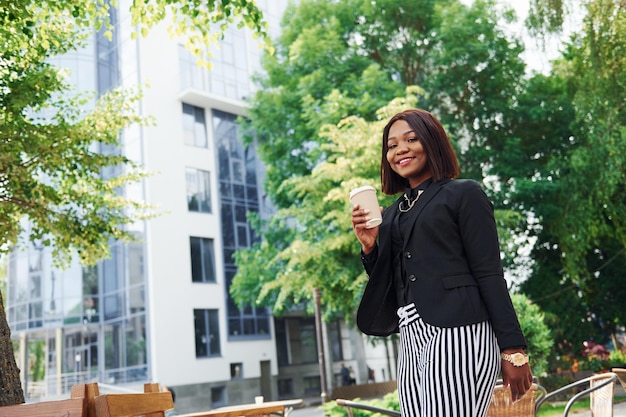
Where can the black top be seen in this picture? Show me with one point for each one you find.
(400, 230)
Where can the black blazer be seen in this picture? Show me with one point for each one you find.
(452, 261)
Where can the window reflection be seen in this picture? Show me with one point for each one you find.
(207, 331)
(194, 126)
(198, 190)
(202, 260)
(237, 173)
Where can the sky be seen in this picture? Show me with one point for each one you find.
(537, 56)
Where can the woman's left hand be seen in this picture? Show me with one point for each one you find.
(519, 378)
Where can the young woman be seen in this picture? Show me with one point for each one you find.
(435, 276)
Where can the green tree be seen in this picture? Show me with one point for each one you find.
(344, 60)
(567, 172)
(336, 59)
(53, 150)
(50, 168)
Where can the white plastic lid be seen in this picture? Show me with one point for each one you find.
(363, 188)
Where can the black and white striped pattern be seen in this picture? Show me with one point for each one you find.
(445, 372)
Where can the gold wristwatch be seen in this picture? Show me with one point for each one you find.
(517, 359)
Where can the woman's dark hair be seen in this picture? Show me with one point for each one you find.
(439, 151)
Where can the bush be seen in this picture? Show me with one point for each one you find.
(599, 358)
(537, 333)
(389, 401)
(617, 359)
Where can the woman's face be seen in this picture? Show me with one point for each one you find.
(406, 154)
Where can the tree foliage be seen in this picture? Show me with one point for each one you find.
(51, 164)
(336, 59)
(596, 209)
(201, 23)
(573, 157)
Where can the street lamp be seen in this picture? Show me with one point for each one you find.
(77, 368)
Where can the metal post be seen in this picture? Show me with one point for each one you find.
(320, 343)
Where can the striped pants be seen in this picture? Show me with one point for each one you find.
(445, 372)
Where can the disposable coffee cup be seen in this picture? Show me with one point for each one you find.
(258, 399)
(365, 197)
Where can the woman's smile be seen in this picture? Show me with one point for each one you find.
(403, 162)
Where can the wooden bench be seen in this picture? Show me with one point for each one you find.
(75, 407)
(151, 403)
(372, 390)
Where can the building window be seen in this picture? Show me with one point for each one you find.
(202, 260)
(335, 338)
(236, 370)
(308, 341)
(296, 341)
(194, 126)
(207, 328)
(312, 385)
(191, 74)
(237, 179)
(285, 388)
(218, 396)
(198, 190)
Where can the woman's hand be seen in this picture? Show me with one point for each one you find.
(519, 378)
(366, 236)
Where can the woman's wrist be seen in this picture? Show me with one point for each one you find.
(514, 349)
(367, 250)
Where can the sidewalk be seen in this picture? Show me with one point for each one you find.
(314, 411)
(619, 410)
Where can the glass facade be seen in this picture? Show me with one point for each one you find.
(234, 61)
(237, 174)
(231, 74)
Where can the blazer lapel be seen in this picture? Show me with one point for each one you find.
(384, 234)
(423, 200)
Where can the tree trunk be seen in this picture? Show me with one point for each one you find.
(10, 386)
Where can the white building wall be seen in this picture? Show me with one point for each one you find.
(172, 295)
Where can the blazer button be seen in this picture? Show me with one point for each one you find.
(408, 255)
(412, 278)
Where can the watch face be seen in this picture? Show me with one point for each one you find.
(518, 359)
